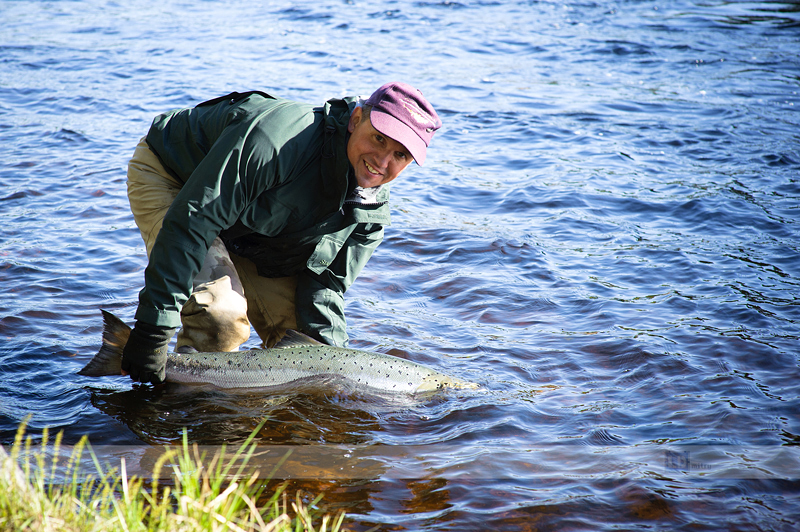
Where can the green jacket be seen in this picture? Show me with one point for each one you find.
(271, 178)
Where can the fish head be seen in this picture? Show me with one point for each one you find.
(433, 383)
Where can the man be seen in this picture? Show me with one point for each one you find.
(263, 211)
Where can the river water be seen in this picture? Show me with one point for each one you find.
(606, 237)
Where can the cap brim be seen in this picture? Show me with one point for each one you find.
(397, 130)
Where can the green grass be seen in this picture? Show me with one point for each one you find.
(41, 491)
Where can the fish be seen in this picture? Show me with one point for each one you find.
(297, 360)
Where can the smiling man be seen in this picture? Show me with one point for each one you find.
(373, 149)
(261, 211)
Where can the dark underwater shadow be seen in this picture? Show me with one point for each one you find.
(210, 416)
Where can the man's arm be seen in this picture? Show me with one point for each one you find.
(210, 201)
(320, 288)
(200, 211)
(219, 188)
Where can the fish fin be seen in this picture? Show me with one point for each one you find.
(108, 361)
(294, 338)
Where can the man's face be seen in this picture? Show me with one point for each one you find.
(377, 159)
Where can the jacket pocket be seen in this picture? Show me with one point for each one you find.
(325, 253)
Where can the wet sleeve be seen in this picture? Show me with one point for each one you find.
(320, 292)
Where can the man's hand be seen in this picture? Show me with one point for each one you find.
(145, 355)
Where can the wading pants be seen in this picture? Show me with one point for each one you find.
(228, 295)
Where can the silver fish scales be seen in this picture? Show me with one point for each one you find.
(296, 361)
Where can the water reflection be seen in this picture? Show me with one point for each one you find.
(158, 415)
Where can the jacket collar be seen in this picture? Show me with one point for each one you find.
(369, 196)
(335, 165)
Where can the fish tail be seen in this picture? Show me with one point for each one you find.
(108, 361)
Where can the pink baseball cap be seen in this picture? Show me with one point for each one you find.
(400, 112)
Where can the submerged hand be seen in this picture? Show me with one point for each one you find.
(144, 357)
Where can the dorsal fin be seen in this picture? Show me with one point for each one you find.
(294, 338)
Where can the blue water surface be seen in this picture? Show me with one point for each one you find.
(605, 236)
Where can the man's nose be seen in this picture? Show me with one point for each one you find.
(384, 157)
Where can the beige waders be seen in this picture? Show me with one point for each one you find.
(228, 295)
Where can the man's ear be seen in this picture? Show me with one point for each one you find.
(355, 119)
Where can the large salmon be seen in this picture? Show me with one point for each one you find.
(297, 359)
